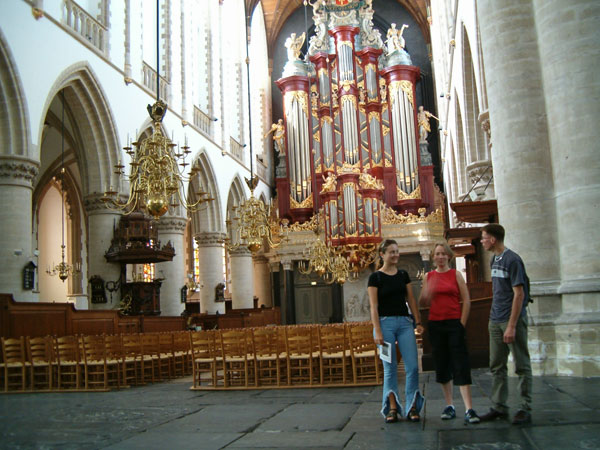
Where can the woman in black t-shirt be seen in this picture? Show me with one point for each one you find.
(389, 291)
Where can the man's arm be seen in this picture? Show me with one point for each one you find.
(517, 305)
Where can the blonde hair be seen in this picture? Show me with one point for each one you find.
(447, 249)
(382, 249)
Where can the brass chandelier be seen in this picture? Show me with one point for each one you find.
(253, 222)
(63, 269)
(156, 179)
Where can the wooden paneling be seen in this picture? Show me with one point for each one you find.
(62, 319)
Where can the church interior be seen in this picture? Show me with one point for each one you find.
(222, 164)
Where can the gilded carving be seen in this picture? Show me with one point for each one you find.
(368, 181)
(349, 98)
(347, 83)
(350, 168)
(412, 196)
(309, 225)
(300, 96)
(306, 203)
(329, 184)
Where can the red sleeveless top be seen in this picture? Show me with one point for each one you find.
(445, 301)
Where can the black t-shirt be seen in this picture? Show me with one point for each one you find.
(391, 292)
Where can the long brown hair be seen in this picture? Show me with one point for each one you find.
(382, 249)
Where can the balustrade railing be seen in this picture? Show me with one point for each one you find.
(236, 149)
(82, 23)
(203, 121)
(150, 81)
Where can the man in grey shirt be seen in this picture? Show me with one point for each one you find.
(507, 326)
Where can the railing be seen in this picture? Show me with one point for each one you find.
(236, 149)
(261, 169)
(203, 121)
(82, 23)
(150, 81)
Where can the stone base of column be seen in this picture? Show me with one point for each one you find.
(566, 343)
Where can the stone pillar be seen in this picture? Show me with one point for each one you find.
(210, 255)
(242, 283)
(288, 305)
(101, 224)
(520, 154)
(173, 272)
(16, 181)
(568, 37)
(262, 280)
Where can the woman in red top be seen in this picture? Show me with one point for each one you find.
(443, 289)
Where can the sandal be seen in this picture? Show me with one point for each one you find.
(392, 416)
(413, 415)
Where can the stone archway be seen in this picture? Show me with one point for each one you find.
(95, 147)
(18, 169)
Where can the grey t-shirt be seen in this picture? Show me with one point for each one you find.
(508, 270)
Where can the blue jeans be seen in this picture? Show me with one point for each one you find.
(401, 329)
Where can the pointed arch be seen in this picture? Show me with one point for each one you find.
(474, 139)
(96, 133)
(208, 219)
(14, 131)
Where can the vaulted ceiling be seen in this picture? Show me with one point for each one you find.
(276, 13)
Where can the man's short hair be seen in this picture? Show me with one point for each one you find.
(495, 230)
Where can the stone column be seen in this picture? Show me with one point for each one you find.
(173, 272)
(101, 223)
(288, 305)
(568, 37)
(242, 283)
(16, 181)
(520, 155)
(262, 280)
(210, 255)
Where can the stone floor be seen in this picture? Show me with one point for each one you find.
(171, 416)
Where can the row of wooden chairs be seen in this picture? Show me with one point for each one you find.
(285, 356)
(93, 362)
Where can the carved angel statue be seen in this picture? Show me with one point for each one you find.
(423, 121)
(329, 183)
(278, 131)
(294, 45)
(394, 40)
(368, 181)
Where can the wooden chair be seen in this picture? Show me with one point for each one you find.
(40, 355)
(182, 355)
(151, 360)
(166, 355)
(234, 350)
(366, 365)
(333, 354)
(300, 355)
(115, 357)
(206, 358)
(133, 361)
(99, 372)
(68, 361)
(267, 357)
(14, 364)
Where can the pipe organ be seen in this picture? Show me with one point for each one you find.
(351, 129)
